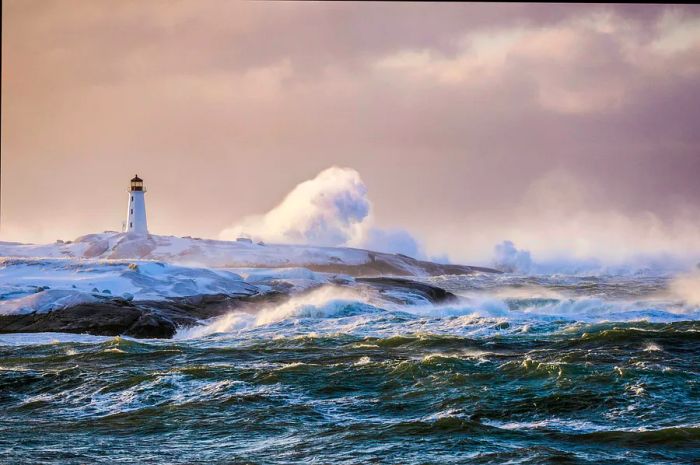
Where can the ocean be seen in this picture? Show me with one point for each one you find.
(549, 369)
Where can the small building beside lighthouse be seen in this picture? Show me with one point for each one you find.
(136, 214)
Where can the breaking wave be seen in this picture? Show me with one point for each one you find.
(520, 306)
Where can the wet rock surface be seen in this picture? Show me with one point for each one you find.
(432, 294)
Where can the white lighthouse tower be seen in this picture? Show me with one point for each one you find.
(136, 214)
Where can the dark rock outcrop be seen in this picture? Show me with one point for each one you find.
(142, 319)
(384, 264)
(104, 319)
(432, 294)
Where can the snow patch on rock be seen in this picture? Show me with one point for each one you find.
(44, 284)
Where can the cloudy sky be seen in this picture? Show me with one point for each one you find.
(566, 129)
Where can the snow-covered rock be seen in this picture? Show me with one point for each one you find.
(43, 284)
(234, 254)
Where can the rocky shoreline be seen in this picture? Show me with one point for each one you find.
(162, 319)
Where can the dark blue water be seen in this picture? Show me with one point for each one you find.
(514, 374)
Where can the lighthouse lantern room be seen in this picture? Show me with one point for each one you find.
(136, 214)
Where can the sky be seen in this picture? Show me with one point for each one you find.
(570, 130)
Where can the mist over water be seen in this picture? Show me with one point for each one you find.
(567, 233)
(509, 258)
(523, 369)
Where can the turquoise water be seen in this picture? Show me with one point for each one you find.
(525, 370)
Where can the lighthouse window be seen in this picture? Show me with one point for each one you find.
(132, 211)
(132, 198)
(131, 225)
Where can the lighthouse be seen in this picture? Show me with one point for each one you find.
(136, 214)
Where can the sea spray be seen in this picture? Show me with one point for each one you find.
(327, 301)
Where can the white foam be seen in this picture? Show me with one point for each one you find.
(29, 339)
(326, 302)
(344, 310)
